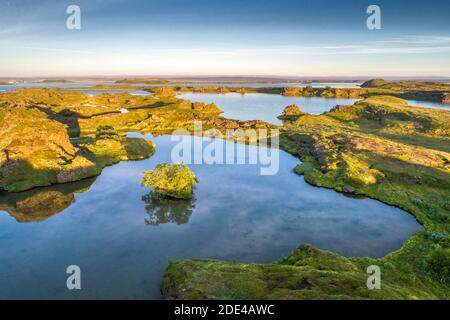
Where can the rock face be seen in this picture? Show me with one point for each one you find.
(171, 180)
(36, 151)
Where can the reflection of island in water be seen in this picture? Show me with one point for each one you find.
(40, 204)
(167, 210)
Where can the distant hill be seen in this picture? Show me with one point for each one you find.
(56, 81)
(374, 83)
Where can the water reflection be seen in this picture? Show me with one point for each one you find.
(40, 204)
(163, 210)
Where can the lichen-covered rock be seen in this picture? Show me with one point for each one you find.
(171, 180)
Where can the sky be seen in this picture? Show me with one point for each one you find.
(303, 38)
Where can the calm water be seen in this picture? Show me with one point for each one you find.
(122, 240)
(263, 106)
(428, 104)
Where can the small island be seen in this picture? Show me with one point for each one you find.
(171, 180)
(291, 113)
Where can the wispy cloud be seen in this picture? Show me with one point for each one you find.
(405, 45)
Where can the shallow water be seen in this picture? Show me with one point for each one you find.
(263, 106)
(122, 242)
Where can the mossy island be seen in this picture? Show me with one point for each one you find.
(171, 180)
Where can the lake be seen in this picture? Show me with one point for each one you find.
(429, 104)
(122, 239)
(263, 106)
(267, 107)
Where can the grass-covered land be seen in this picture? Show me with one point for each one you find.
(381, 148)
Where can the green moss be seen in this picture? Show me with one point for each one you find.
(307, 273)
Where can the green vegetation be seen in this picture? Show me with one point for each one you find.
(380, 148)
(171, 180)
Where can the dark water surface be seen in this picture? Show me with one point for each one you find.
(122, 239)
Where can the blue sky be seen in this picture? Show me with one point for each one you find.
(199, 37)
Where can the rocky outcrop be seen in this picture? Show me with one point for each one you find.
(291, 112)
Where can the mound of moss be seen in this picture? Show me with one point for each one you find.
(171, 180)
